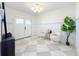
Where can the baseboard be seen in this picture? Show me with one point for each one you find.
(23, 37)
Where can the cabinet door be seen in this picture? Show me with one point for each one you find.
(27, 28)
(19, 28)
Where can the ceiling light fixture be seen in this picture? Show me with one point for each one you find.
(37, 8)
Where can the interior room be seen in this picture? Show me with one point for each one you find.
(38, 28)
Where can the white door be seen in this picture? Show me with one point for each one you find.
(19, 28)
(27, 28)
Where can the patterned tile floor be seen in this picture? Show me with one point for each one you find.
(41, 47)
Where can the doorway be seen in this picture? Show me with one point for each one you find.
(22, 28)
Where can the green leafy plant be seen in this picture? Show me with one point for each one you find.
(68, 26)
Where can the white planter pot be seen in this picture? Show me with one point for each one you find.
(54, 37)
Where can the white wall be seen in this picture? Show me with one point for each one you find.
(55, 18)
(34, 25)
(1, 16)
(77, 27)
(11, 15)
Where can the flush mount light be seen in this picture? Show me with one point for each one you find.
(37, 8)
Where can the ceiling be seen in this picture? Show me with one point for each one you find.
(47, 6)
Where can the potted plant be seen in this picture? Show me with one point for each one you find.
(68, 26)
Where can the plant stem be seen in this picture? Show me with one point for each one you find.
(68, 34)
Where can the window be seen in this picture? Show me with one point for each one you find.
(22, 21)
(19, 21)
